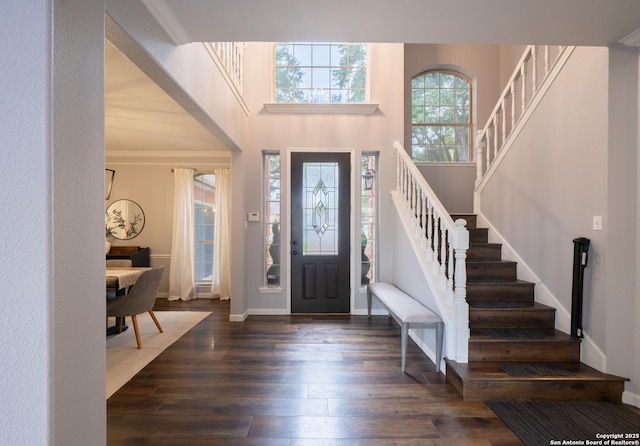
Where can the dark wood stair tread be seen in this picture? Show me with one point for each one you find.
(532, 335)
(484, 381)
(493, 370)
(515, 352)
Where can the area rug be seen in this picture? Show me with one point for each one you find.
(569, 422)
(124, 359)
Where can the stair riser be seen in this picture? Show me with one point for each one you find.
(489, 271)
(511, 318)
(500, 292)
(537, 389)
(485, 251)
(530, 350)
(478, 235)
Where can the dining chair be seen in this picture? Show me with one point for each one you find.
(140, 299)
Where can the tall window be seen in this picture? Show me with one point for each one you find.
(271, 181)
(369, 217)
(440, 117)
(320, 72)
(205, 203)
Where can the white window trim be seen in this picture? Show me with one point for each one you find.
(335, 108)
(321, 108)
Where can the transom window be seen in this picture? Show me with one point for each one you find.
(440, 117)
(320, 72)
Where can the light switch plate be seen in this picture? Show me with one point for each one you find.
(253, 216)
(597, 222)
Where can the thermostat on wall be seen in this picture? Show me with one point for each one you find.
(253, 216)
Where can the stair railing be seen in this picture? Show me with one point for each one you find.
(446, 243)
(530, 78)
(228, 57)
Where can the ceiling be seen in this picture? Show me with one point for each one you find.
(523, 22)
(141, 119)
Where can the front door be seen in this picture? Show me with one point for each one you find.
(320, 242)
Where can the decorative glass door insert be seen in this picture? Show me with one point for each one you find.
(321, 208)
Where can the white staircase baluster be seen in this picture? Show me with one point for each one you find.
(437, 232)
(523, 94)
(443, 257)
(450, 263)
(534, 70)
(436, 241)
(513, 104)
(423, 221)
(429, 232)
(480, 147)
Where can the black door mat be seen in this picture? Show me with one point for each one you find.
(569, 422)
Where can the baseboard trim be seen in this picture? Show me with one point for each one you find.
(239, 317)
(631, 398)
(427, 351)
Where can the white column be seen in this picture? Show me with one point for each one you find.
(52, 187)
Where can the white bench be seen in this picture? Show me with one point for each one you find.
(408, 312)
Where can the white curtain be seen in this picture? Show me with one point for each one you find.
(181, 274)
(221, 283)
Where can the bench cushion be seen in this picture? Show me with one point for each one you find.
(402, 305)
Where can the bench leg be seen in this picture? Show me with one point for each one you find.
(405, 333)
(369, 302)
(439, 336)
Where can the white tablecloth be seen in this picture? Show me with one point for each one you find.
(126, 276)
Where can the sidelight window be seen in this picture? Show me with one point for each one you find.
(271, 186)
(369, 217)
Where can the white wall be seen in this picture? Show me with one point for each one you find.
(51, 193)
(279, 132)
(554, 180)
(482, 63)
(187, 73)
(408, 276)
(152, 188)
(621, 331)
(453, 183)
(576, 158)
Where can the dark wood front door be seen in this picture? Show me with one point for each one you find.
(320, 245)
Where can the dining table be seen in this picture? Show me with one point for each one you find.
(118, 282)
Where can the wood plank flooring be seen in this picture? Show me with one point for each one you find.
(293, 381)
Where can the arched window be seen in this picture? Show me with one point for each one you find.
(440, 117)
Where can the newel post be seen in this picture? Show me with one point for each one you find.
(461, 245)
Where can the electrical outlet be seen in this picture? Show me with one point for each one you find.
(597, 222)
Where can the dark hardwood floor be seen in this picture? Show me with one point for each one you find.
(294, 380)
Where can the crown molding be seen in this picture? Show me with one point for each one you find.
(169, 154)
(168, 21)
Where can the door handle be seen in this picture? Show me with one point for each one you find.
(295, 253)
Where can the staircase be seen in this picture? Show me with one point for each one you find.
(515, 352)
